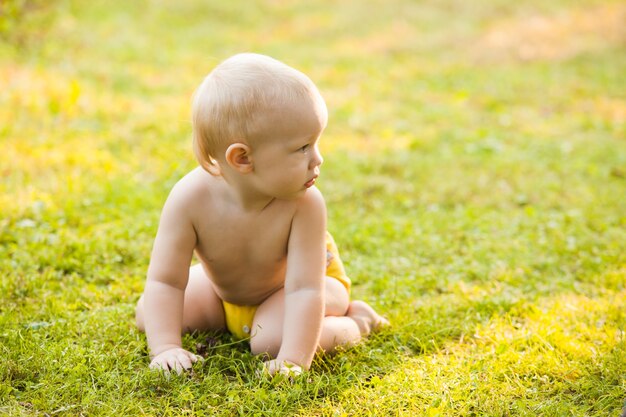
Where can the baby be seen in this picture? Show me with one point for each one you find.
(269, 272)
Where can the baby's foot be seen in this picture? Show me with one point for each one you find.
(365, 317)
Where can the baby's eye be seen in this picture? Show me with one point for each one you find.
(305, 148)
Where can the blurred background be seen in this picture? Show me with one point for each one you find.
(103, 87)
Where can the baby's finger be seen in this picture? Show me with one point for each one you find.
(291, 370)
(161, 367)
(194, 358)
(157, 366)
(270, 367)
(174, 365)
(184, 360)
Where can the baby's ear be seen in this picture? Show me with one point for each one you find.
(238, 157)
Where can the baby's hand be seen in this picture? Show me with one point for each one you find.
(282, 367)
(175, 359)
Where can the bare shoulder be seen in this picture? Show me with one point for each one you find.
(191, 183)
(189, 188)
(312, 202)
(310, 210)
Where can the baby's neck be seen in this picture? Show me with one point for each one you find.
(241, 197)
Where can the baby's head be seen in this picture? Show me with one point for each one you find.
(243, 98)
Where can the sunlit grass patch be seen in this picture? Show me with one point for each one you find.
(532, 360)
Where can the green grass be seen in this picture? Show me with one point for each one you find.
(475, 175)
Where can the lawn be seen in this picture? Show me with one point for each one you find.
(475, 176)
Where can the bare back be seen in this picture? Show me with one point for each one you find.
(244, 253)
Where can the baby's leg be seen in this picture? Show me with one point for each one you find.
(202, 309)
(360, 320)
(345, 323)
(336, 297)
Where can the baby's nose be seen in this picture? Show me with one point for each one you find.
(317, 158)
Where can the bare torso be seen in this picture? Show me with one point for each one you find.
(244, 253)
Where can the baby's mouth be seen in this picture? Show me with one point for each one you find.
(310, 183)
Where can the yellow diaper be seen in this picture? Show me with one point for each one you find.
(239, 318)
(334, 266)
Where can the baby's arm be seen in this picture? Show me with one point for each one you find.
(304, 284)
(165, 287)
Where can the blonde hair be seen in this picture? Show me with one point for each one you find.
(228, 103)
